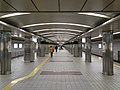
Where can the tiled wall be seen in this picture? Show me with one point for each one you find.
(98, 51)
(17, 51)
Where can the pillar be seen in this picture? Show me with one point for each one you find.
(80, 46)
(76, 49)
(46, 49)
(88, 49)
(39, 48)
(29, 50)
(5, 53)
(107, 43)
(72, 49)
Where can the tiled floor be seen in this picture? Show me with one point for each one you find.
(91, 78)
(19, 69)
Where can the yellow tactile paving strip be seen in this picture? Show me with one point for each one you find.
(12, 83)
(118, 66)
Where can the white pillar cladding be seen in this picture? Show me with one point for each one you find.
(107, 43)
(29, 51)
(76, 49)
(5, 52)
(88, 49)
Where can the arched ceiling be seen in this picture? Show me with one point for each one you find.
(58, 18)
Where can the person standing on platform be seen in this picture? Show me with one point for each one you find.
(56, 48)
(51, 51)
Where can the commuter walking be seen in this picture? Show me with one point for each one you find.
(56, 48)
(51, 51)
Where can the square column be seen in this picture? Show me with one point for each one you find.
(80, 46)
(88, 49)
(29, 51)
(39, 48)
(72, 49)
(76, 49)
(5, 53)
(42, 50)
(107, 43)
(46, 49)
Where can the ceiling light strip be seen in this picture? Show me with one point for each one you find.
(95, 14)
(71, 24)
(107, 22)
(58, 33)
(52, 29)
(13, 14)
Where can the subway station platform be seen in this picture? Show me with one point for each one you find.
(62, 72)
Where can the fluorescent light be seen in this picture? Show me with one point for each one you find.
(61, 29)
(72, 24)
(58, 33)
(20, 35)
(22, 30)
(15, 35)
(95, 14)
(83, 40)
(13, 14)
(116, 33)
(34, 39)
(101, 35)
(3, 23)
(99, 45)
(96, 37)
(50, 35)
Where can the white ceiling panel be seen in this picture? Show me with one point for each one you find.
(71, 5)
(47, 5)
(96, 5)
(114, 6)
(5, 7)
(22, 5)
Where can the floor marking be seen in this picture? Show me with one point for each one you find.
(12, 83)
